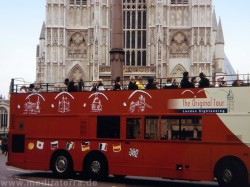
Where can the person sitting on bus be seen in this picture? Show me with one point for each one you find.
(169, 84)
(194, 82)
(139, 83)
(80, 85)
(72, 87)
(31, 88)
(150, 85)
(157, 84)
(185, 83)
(204, 82)
(236, 83)
(117, 84)
(132, 84)
(221, 82)
(23, 89)
(93, 88)
(100, 86)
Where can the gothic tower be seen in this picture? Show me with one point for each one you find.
(219, 52)
(160, 38)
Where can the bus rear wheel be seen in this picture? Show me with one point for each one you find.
(61, 165)
(231, 173)
(95, 167)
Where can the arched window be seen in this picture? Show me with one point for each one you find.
(76, 73)
(179, 1)
(78, 2)
(84, 2)
(3, 118)
(135, 24)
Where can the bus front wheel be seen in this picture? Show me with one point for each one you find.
(95, 167)
(231, 173)
(61, 165)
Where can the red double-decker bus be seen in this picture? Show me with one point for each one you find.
(186, 134)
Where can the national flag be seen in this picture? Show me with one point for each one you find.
(85, 146)
(54, 145)
(70, 145)
(39, 145)
(31, 146)
(103, 146)
(117, 147)
(133, 152)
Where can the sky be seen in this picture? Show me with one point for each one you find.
(21, 23)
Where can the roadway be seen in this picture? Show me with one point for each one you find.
(10, 176)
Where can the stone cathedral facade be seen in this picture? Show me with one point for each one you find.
(161, 38)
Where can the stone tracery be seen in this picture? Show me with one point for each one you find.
(77, 47)
(179, 47)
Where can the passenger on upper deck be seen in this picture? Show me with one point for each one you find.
(94, 86)
(132, 84)
(236, 83)
(72, 87)
(150, 85)
(100, 86)
(169, 84)
(194, 82)
(204, 82)
(66, 82)
(221, 82)
(31, 88)
(185, 83)
(64, 86)
(23, 89)
(117, 84)
(80, 85)
(38, 88)
(139, 83)
(175, 83)
(157, 84)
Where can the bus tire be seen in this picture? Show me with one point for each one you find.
(231, 173)
(62, 164)
(95, 167)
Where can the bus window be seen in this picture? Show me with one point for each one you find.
(133, 128)
(165, 129)
(181, 128)
(108, 127)
(151, 127)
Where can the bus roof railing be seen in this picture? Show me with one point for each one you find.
(16, 87)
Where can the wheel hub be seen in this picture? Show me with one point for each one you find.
(227, 176)
(95, 167)
(61, 164)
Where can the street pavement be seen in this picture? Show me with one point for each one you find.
(10, 176)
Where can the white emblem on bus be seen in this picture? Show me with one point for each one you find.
(141, 103)
(32, 108)
(96, 105)
(63, 104)
(133, 152)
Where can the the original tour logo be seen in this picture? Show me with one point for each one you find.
(214, 103)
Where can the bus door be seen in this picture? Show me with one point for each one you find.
(133, 144)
